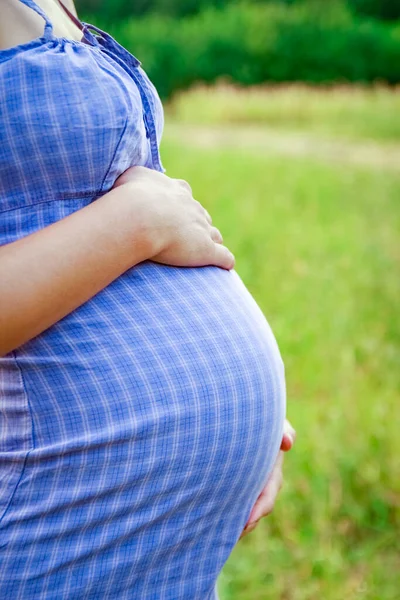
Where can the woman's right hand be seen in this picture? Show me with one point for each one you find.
(179, 228)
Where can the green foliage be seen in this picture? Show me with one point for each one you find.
(258, 43)
(381, 9)
(111, 9)
(117, 9)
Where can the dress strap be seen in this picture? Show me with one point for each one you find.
(88, 37)
(48, 30)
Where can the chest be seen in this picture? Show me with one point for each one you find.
(76, 115)
(74, 122)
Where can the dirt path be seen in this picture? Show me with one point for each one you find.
(288, 143)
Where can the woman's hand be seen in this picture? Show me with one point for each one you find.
(180, 229)
(266, 500)
(146, 216)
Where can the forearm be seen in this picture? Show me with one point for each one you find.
(48, 274)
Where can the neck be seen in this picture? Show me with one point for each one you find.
(19, 24)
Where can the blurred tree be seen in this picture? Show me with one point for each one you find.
(175, 8)
(116, 9)
(125, 8)
(381, 9)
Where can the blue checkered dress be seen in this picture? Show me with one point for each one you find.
(138, 431)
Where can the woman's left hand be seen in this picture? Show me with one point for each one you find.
(266, 500)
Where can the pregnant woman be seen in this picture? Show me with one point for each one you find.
(142, 392)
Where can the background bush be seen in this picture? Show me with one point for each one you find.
(314, 42)
(381, 9)
(175, 8)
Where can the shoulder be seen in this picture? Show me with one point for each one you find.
(18, 24)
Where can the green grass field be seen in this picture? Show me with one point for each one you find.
(353, 112)
(317, 242)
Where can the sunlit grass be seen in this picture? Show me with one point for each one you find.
(372, 113)
(318, 245)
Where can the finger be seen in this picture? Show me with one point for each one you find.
(288, 428)
(223, 257)
(265, 503)
(216, 235)
(289, 436)
(277, 465)
(208, 216)
(248, 529)
(185, 185)
(287, 443)
(266, 500)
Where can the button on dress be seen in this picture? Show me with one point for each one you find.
(137, 432)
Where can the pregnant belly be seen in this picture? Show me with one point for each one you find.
(163, 396)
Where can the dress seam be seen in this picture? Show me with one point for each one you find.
(112, 161)
(21, 374)
(32, 438)
(74, 198)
